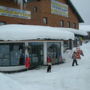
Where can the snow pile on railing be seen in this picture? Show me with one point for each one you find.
(33, 32)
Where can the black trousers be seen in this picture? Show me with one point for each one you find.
(49, 68)
(74, 62)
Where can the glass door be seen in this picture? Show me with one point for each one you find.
(54, 51)
(36, 53)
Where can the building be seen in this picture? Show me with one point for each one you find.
(54, 13)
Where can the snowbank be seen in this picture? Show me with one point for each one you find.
(6, 83)
(30, 32)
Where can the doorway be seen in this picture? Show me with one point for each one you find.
(36, 53)
(54, 51)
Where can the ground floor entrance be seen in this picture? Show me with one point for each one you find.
(13, 54)
(54, 51)
(36, 53)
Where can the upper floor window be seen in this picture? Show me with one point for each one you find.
(30, 0)
(38, 0)
(68, 24)
(25, 1)
(62, 23)
(74, 25)
(45, 20)
(35, 9)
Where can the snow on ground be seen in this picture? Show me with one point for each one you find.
(62, 77)
(7, 83)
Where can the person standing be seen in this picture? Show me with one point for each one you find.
(49, 64)
(74, 57)
(27, 62)
(27, 59)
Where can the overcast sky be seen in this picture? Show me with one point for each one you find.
(83, 7)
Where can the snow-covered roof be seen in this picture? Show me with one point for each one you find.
(85, 28)
(33, 32)
(75, 31)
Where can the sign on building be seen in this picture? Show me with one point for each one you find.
(59, 8)
(12, 12)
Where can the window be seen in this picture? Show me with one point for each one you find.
(30, 0)
(26, 1)
(45, 20)
(62, 23)
(54, 51)
(74, 25)
(4, 55)
(38, 0)
(68, 24)
(12, 54)
(66, 45)
(35, 9)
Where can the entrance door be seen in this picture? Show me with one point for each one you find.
(54, 51)
(36, 53)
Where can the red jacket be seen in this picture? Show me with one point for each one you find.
(27, 62)
(48, 60)
(78, 55)
(81, 52)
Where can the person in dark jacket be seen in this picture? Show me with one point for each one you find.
(49, 64)
(74, 58)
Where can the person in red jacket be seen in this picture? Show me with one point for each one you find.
(80, 51)
(49, 64)
(27, 62)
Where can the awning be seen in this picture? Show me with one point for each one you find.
(33, 32)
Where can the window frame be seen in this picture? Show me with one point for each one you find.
(62, 23)
(45, 20)
(74, 25)
(69, 24)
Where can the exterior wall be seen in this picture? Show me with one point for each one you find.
(12, 20)
(43, 10)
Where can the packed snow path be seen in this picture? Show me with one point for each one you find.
(62, 77)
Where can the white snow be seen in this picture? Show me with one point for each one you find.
(75, 31)
(62, 77)
(85, 28)
(7, 83)
(30, 32)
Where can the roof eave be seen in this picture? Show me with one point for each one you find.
(74, 9)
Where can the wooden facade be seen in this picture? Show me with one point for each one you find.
(40, 12)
